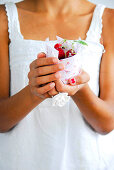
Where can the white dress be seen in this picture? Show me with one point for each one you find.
(53, 138)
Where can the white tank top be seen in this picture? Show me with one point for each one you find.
(52, 138)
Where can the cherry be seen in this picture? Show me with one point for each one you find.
(57, 46)
(61, 53)
(70, 53)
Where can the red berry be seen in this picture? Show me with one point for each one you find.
(57, 46)
(61, 53)
(73, 81)
(70, 53)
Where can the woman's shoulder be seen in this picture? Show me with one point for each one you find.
(3, 16)
(107, 62)
(3, 23)
(109, 17)
(109, 11)
(108, 27)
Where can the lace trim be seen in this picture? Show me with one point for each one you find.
(17, 22)
(9, 23)
(96, 25)
(92, 21)
(13, 23)
(6, 1)
(99, 16)
(101, 23)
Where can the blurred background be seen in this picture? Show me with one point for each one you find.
(108, 3)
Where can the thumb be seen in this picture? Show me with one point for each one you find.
(41, 55)
(81, 78)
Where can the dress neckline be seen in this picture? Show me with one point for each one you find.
(51, 41)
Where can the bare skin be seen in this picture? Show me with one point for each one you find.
(74, 23)
(33, 15)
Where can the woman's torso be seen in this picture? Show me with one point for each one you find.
(51, 137)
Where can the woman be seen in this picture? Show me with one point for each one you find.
(34, 134)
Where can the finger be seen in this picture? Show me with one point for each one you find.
(43, 62)
(53, 92)
(49, 69)
(41, 55)
(46, 61)
(45, 79)
(42, 90)
(82, 78)
(46, 95)
(33, 65)
(61, 87)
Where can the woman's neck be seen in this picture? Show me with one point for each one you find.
(56, 8)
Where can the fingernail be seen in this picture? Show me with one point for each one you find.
(61, 66)
(52, 84)
(43, 53)
(73, 81)
(55, 60)
(39, 55)
(57, 75)
(77, 80)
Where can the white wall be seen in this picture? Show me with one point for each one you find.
(108, 3)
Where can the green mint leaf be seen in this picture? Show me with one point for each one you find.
(64, 40)
(81, 42)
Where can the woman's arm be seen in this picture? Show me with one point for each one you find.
(15, 108)
(99, 112)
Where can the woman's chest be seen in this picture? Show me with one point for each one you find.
(39, 27)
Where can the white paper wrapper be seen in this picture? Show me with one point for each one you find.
(72, 67)
(60, 99)
(51, 52)
(72, 64)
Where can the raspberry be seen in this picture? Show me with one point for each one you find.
(70, 53)
(57, 46)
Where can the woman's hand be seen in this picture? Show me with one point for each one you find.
(75, 83)
(43, 74)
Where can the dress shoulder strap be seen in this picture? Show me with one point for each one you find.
(13, 21)
(95, 30)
